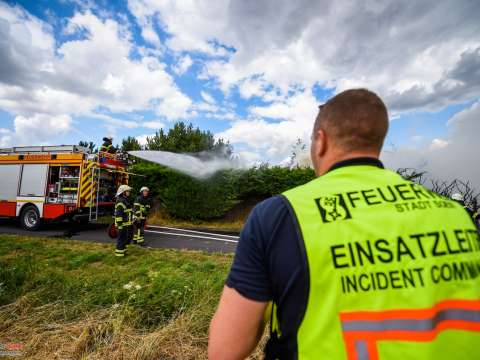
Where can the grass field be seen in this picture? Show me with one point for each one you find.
(65, 299)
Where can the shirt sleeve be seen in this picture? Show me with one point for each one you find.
(249, 273)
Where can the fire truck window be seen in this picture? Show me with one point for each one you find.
(53, 184)
(9, 175)
(34, 178)
(68, 184)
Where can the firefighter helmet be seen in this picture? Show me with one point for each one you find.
(122, 189)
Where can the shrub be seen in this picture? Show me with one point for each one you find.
(192, 199)
(265, 181)
(186, 197)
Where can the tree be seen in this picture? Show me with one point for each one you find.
(89, 145)
(300, 156)
(183, 138)
(130, 144)
(412, 175)
(443, 187)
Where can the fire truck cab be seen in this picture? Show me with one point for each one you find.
(58, 182)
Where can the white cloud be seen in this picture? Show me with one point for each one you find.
(207, 97)
(114, 123)
(175, 106)
(205, 106)
(142, 139)
(415, 55)
(5, 137)
(155, 125)
(257, 87)
(455, 156)
(249, 88)
(275, 139)
(146, 21)
(183, 65)
(38, 129)
(193, 24)
(438, 144)
(92, 71)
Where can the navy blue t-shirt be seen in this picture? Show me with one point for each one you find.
(270, 244)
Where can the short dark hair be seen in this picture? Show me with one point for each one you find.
(356, 119)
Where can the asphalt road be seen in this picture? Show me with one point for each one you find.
(155, 236)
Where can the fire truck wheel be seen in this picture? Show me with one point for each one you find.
(30, 218)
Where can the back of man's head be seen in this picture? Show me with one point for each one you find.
(355, 120)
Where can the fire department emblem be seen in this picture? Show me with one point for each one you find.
(333, 208)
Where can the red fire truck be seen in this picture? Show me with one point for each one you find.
(58, 182)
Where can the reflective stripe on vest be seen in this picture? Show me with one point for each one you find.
(394, 269)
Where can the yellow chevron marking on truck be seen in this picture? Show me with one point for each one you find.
(86, 194)
(85, 183)
(86, 191)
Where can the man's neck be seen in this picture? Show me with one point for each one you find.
(336, 158)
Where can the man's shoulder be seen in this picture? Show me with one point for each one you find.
(267, 209)
(269, 219)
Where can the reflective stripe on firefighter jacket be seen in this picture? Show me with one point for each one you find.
(123, 212)
(394, 269)
(141, 207)
(108, 148)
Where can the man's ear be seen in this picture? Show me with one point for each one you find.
(322, 142)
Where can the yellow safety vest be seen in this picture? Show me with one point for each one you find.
(394, 270)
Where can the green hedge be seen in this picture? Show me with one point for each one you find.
(188, 198)
(266, 181)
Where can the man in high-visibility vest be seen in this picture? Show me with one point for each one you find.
(141, 208)
(356, 264)
(123, 219)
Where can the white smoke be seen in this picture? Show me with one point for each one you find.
(303, 160)
(300, 156)
(193, 166)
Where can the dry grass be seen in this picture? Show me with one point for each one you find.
(102, 335)
(229, 225)
(233, 221)
(66, 300)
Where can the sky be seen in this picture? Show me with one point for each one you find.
(252, 72)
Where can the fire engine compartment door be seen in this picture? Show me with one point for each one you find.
(10, 175)
(34, 180)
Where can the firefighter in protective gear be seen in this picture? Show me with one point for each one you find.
(107, 146)
(123, 219)
(141, 208)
